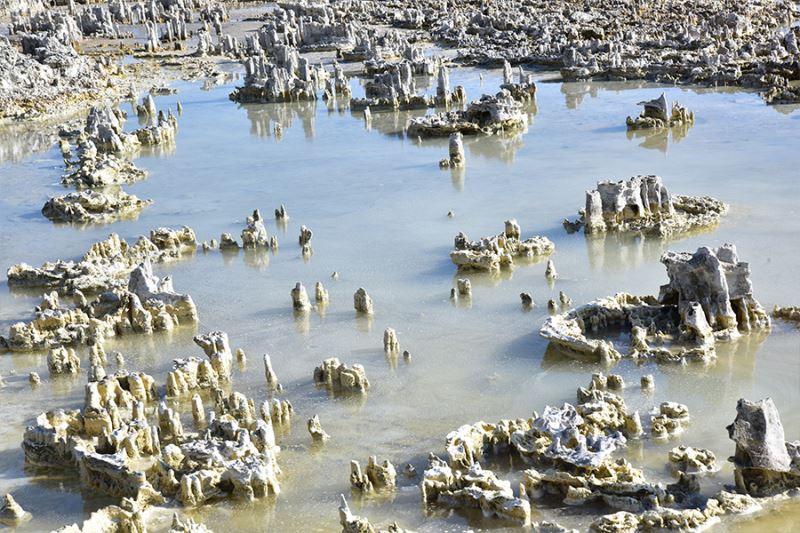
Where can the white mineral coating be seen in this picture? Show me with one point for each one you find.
(709, 297)
(166, 307)
(198, 412)
(300, 300)
(340, 377)
(63, 361)
(720, 283)
(464, 287)
(163, 132)
(93, 207)
(321, 293)
(693, 460)
(490, 115)
(492, 253)
(765, 464)
(315, 430)
(216, 347)
(305, 236)
(94, 170)
(475, 488)
(456, 150)
(255, 234)
(362, 302)
(107, 264)
(34, 379)
(643, 204)
(390, 342)
(657, 114)
(269, 374)
(11, 512)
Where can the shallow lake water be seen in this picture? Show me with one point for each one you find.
(377, 204)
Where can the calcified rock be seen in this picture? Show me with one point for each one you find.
(643, 204)
(489, 115)
(94, 170)
(475, 488)
(390, 342)
(228, 242)
(765, 464)
(656, 114)
(362, 302)
(393, 89)
(187, 525)
(340, 377)
(456, 149)
(523, 90)
(94, 207)
(375, 477)
(669, 420)
(300, 300)
(647, 382)
(709, 297)
(550, 271)
(255, 234)
(491, 253)
(305, 236)
(281, 214)
(11, 512)
(269, 374)
(125, 517)
(464, 287)
(787, 313)
(107, 264)
(693, 460)
(356, 524)
(321, 294)
(315, 430)
(63, 361)
(34, 379)
(163, 132)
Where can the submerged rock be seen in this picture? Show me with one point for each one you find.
(693, 460)
(374, 477)
(11, 512)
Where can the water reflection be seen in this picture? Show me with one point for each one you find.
(658, 138)
(267, 120)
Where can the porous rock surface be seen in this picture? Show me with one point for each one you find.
(709, 297)
(492, 253)
(643, 204)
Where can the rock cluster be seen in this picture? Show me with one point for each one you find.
(656, 114)
(339, 377)
(147, 304)
(492, 253)
(709, 297)
(490, 115)
(643, 204)
(93, 207)
(107, 264)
